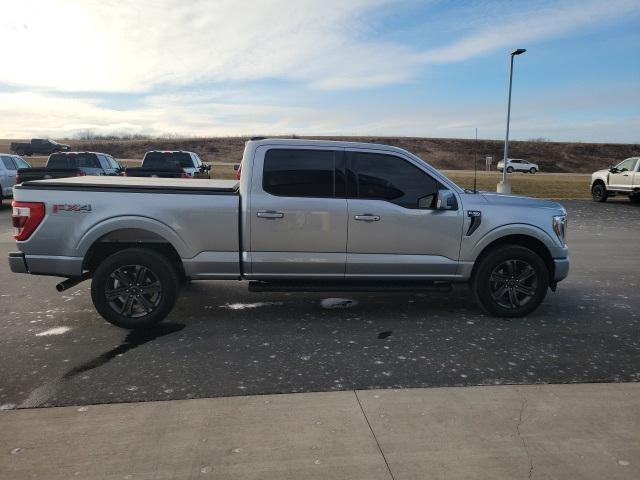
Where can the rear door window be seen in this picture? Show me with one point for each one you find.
(8, 163)
(300, 173)
(167, 160)
(377, 176)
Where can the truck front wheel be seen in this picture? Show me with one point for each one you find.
(134, 288)
(510, 281)
(599, 192)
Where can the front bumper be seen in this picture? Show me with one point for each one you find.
(561, 268)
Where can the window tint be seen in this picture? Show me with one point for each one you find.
(104, 163)
(299, 173)
(112, 162)
(21, 163)
(167, 159)
(75, 160)
(8, 163)
(385, 177)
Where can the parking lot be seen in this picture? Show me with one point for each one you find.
(222, 341)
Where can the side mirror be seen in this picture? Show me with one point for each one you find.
(446, 200)
(236, 167)
(614, 170)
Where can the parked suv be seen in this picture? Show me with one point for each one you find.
(73, 164)
(518, 165)
(9, 165)
(623, 179)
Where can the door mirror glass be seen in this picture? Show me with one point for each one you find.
(446, 200)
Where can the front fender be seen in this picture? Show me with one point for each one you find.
(472, 252)
(113, 224)
(603, 176)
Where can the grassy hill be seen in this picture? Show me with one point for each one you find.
(445, 153)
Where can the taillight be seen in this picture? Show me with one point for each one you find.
(81, 174)
(125, 174)
(238, 172)
(18, 178)
(185, 175)
(26, 218)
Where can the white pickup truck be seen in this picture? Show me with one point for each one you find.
(306, 216)
(623, 179)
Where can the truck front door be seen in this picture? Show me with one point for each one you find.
(298, 214)
(623, 178)
(394, 229)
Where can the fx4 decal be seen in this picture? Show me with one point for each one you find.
(72, 207)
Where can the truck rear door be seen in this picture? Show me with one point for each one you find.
(297, 213)
(394, 229)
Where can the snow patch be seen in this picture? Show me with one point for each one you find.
(53, 331)
(331, 303)
(244, 306)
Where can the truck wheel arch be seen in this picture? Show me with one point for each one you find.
(524, 240)
(118, 233)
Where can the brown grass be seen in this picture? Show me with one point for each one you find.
(443, 153)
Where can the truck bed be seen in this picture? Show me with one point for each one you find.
(162, 185)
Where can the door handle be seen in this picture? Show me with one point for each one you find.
(367, 217)
(270, 214)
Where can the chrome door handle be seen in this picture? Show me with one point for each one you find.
(367, 217)
(270, 214)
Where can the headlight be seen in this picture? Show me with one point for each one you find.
(560, 227)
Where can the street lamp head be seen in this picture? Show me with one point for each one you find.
(519, 51)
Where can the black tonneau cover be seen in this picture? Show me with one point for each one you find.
(137, 185)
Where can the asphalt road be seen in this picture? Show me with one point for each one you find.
(221, 340)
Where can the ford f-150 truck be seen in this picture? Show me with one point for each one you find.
(306, 216)
(623, 179)
(43, 146)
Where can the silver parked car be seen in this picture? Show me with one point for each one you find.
(518, 165)
(9, 165)
(307, 215)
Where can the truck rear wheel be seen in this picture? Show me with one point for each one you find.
(510, 281)
(134, 288)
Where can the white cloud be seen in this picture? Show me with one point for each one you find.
(537, 24)
(127, 45)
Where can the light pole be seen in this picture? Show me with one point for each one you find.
(504, 186)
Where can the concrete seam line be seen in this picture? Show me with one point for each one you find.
(355, 392)
(524, 443)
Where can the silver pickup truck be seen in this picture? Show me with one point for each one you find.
(305, 216)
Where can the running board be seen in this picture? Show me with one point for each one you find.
(348, 286)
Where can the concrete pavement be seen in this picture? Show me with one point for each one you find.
(582, 431)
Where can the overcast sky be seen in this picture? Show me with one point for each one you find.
(330, 67)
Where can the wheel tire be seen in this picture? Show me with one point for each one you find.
(528, 281)
(509, 169)
(156, 291)
(599, 193)
(19, 151)
(532, 170)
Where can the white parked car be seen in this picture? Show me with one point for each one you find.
(9, 165)
(518, 165)
(623, 179)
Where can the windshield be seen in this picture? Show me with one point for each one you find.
(76, 160)
(167, 159)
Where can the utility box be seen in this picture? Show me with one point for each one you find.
(488, 161)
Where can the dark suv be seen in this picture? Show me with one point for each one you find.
(73, 164)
